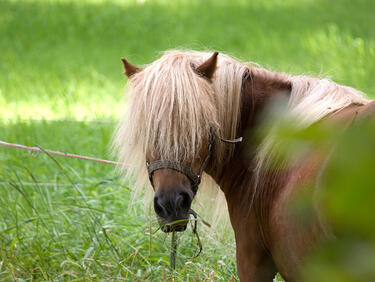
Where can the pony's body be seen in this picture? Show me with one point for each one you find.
(272, 237)
(173, 119)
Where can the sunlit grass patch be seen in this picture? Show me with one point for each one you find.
(59, 55)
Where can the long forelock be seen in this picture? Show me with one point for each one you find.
(177, 108)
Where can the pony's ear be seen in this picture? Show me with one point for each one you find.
(129, 68)
(207, 68)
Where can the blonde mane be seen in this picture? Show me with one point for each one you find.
(172, 109)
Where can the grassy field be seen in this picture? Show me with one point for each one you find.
(61, 87)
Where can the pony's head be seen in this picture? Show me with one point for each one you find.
(178, 104)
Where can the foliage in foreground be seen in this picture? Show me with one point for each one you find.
(342, 194)
(347, 200)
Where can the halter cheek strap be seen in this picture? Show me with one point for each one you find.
(195, 179)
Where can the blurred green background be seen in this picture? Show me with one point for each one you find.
(60, 63)
(60, 59)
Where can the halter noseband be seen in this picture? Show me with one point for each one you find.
(195, 179)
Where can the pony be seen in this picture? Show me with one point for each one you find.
(186, 112)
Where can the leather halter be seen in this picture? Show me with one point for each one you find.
(195, 179)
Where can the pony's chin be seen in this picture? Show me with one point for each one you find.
(170, 228)
(178, 226)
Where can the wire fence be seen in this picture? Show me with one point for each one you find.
(40, 150)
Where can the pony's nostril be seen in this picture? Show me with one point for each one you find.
(179, 200)
(157, 207)
(184, 201)
(173, 204)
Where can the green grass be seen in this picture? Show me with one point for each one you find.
(81, 225)
(60, 60)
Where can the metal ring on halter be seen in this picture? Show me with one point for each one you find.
(195, 179)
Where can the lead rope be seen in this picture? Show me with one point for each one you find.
(196, 233)
(173, 253)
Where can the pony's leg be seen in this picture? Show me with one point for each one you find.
(254, 262)
(255, 266)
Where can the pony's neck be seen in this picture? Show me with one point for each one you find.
(259, 87)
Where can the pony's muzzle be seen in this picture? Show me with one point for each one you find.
(172, 208)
